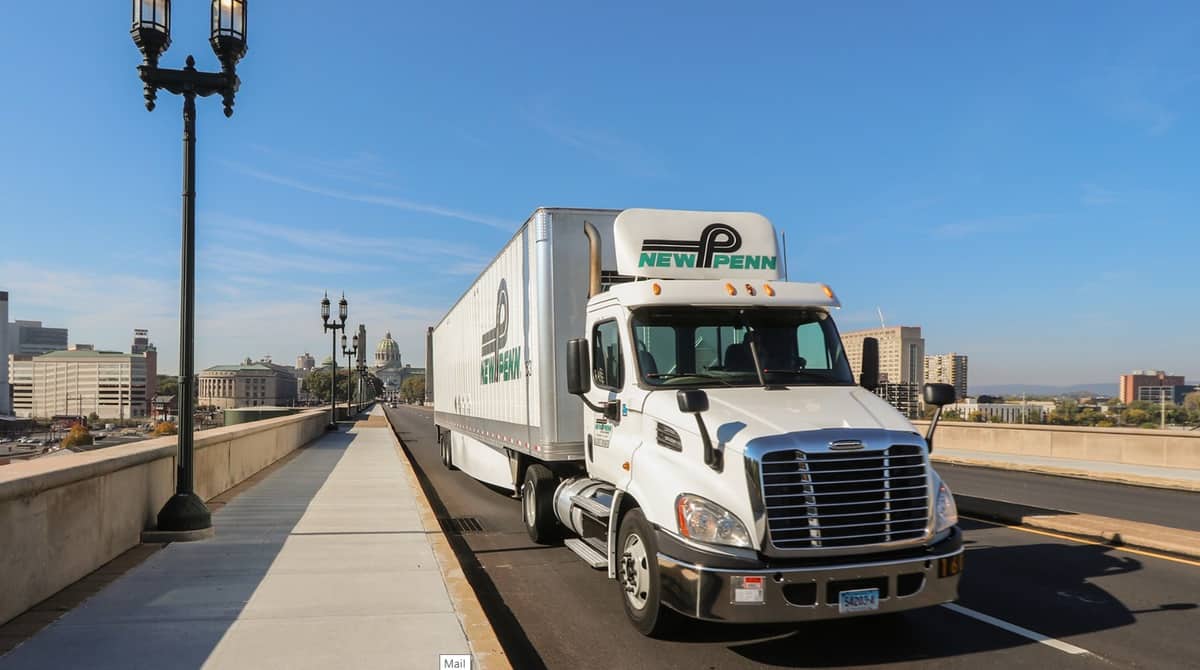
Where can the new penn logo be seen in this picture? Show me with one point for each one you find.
(714, 249)
(499, 364)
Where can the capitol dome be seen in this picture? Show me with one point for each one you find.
(387, 353)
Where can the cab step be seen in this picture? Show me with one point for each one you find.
(587, 552)
(591, 506)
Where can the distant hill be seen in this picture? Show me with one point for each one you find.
(1101, 388)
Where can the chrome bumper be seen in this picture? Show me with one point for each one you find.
(807, 593)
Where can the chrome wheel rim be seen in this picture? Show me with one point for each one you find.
(529, 506)
(635, 572)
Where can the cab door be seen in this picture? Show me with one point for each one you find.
(611, 435)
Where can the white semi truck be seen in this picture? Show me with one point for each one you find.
(682, 416)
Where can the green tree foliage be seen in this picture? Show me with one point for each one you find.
(413, 389)
(93, 417)
(1191, 401)
(317, 384)
(167, 385)
(77, 436)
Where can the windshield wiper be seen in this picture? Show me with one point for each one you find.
(676, 375)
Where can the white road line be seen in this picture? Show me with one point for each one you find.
(1014, 628)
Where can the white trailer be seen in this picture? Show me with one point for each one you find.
(719, 459)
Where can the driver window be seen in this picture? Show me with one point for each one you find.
(608, 369)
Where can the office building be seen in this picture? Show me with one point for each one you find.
(948, 369)
(1034, 411)
(305, 363)
(901, 364)
(1172, 395)
(250, 384)
(901, 353)
(5, 393)
(1130, 383)
(81, 381)
(34, 339)
(141, 341)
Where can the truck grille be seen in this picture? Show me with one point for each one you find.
(843, 499)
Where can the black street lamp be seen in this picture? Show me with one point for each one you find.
(348, 352)
(151, 32)
(343, 312)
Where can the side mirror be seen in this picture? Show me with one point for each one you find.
(695, 402)
(869, 378)
(939, 394)
(579, 367)
(692, 401)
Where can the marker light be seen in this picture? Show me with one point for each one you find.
(730, 289)
(769, 290)
(749, 290)
(828, 291)
(655, 289)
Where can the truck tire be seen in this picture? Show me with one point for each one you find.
(638, 578)
(537, 504)
(447, 455)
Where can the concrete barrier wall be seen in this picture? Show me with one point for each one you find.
(64, 516)
(1133, 446)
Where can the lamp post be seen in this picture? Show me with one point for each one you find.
(343, 312)
(348, 352)
(185, 512)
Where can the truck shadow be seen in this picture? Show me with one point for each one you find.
(1044, 587)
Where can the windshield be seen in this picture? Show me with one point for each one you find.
(688, 346)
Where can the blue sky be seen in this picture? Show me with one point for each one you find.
(1018, 179)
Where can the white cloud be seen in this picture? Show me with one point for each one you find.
(381, 200)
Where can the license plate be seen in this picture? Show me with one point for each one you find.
(861, 600)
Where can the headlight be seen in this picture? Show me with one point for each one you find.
(947, 511)
(706, 521)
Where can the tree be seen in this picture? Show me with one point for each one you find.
(1135, 416)
(413, 389)
(76, 437)
(93, 417)
(317, 384)
(167, 385)
(952, 415)
(165, 428)
(1191, 401)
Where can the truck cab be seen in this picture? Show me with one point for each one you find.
(735, 468)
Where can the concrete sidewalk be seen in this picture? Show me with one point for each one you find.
(325, 563)
(1186, 479)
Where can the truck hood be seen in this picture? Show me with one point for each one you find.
(738, 415)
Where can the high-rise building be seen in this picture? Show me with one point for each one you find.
(5, 393)
(901, 353)
(1130, 383)
(81, 381)
(901, 363)
(34, 339)
(948, 369)
(305, 363)
(141, 341)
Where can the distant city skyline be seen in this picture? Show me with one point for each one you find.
(1023, 191)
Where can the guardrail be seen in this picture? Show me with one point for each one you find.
(62, 517)
(1131, 446)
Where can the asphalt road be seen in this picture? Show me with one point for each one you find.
(551, 610)
(1177, 509)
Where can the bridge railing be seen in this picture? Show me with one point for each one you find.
(1130, 446)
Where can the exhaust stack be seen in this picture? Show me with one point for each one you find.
(593, 236)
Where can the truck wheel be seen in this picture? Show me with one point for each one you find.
(447, 455)
(638, 579)
(537, 504)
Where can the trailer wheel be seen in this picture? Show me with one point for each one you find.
(447, 455)
(537, 504)
(638, 578)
